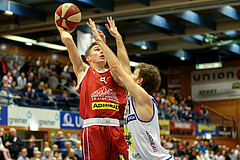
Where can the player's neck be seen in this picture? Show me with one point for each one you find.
(98, 66)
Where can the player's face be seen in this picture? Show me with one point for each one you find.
(135, 74)
(96, 55)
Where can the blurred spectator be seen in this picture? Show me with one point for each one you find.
(6, 97)
(56, 155)
(4, 81)
(213, 146)
(32, 79)
(55, 152)
(32, 147)
(47, 156)
(175, 106)
(3, 67)
(37, 156)
(205, 114)
(189, 102)
(26, 66)
(70, 139)
(8, 77)
(68, 147)
(60, 141)
(5, 151)
(64, 101)
(23, 154)
(14, 75)
(71, 155)
(201, 147)
(65, 77)
(21, 80)
(162, 113)
(172, 98)
(15, 68)
(200, 155)
(39, 61)
(46, 144)
(78, 150)
(50, 99)
(13, 143)
(53, 78)
(43, 73)
(28, 94)
(217, 156)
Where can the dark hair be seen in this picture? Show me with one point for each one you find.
(87, 53)
(151, 77)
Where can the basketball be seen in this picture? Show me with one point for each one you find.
(68, 16)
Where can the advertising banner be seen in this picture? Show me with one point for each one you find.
(183, 128)
(164, 127)
(69, 120)
(226, 131)
(3, 115)
(216, 84)
(203, 129)
(24, 116)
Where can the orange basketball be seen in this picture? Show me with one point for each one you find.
(68, 16)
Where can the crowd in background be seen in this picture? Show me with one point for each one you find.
(63, 148)
(179, 108)
(20, 83)
(200, 149)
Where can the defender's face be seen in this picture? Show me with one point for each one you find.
(135, 74)
(96, 55)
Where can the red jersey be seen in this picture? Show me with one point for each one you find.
(100, 95)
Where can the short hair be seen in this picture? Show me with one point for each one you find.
(87, 53)
(151, 77)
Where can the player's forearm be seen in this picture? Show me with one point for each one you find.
(74, 55)
(122, 54)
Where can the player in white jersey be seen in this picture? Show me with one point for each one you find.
(142, 132)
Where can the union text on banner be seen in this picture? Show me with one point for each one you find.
(216, 84)
(164, 127)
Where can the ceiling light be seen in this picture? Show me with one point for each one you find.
(182, 56)
(144, 47)
(27, 41)
(8, 12)
(3, 46)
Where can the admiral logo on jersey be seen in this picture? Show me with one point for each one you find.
(105, 94)
(105, 105)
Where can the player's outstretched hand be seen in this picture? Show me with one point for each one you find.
(112, 27)
(95, 32)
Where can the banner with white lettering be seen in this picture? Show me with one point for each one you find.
(23, 117)
(182, 128)
(216, 84)
(69, 120)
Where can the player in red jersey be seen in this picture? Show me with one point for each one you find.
(102, 99)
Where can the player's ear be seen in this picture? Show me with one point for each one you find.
(140, 81)
(88, 59)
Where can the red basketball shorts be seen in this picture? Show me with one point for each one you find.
(104, 143)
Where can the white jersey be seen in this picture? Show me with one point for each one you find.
(143, 137)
